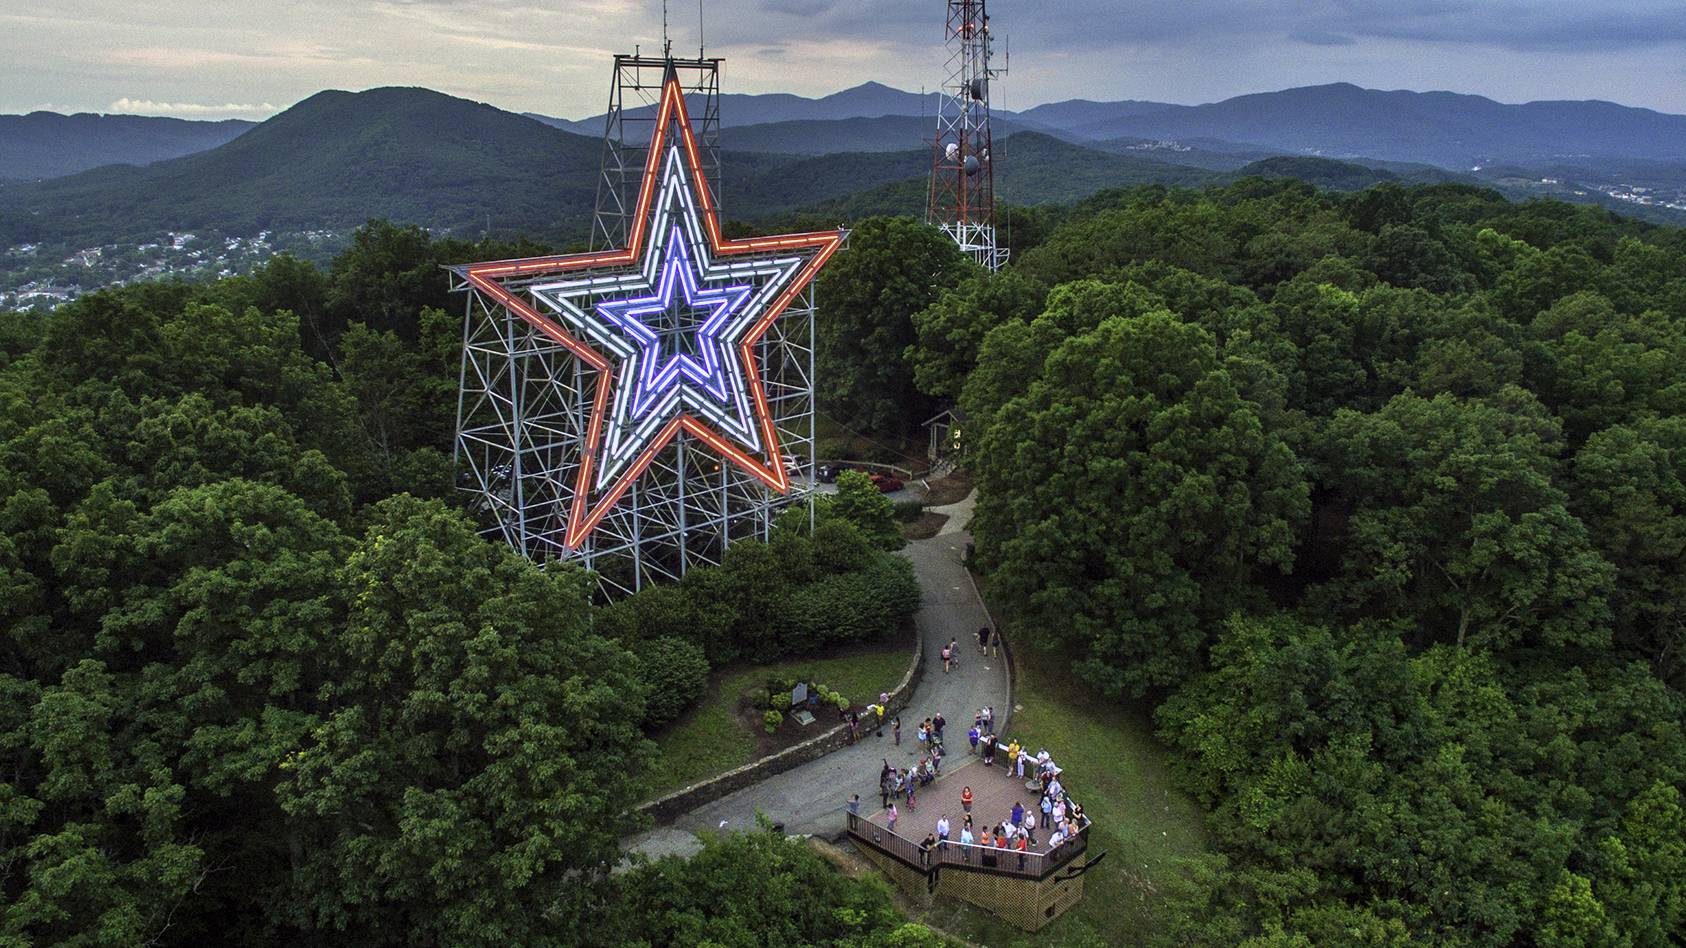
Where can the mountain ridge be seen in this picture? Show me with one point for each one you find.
(41, 144)
(411, 154)
(1448, 129)
(338, 158)
(1451, 130)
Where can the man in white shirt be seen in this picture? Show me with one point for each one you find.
(942, 828)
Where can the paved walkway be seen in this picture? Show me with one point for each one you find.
(810, 798)
(959, 518)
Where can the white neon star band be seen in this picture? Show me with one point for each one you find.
(616, 310)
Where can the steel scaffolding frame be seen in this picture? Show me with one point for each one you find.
(961, 197)
(634, 94)
(525, 401)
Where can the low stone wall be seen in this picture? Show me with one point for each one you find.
(668, 808)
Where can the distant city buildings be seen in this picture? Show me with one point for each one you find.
(29, 282)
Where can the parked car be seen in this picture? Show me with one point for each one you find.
(887, 483)
(827, 473)
(792, 464)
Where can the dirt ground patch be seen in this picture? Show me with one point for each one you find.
(925, 527)
(949, 490)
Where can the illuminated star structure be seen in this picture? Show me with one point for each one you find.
(664, 337)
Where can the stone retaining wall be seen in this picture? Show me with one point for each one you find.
(668, 808)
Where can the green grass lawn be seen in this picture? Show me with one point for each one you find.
(1116, 768)
(710, 738)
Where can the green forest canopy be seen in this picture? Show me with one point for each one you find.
(1378, 499)
(262, 683)
(1375, 497)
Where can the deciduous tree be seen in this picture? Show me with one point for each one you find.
(1128, 497)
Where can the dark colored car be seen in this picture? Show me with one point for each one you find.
(827, 473)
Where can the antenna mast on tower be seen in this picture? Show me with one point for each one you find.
(962, 192)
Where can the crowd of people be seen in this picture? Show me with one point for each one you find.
(1015, 834)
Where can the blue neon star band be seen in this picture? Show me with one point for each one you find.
(678, 276)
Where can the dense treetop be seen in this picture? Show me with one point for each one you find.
(1377, 498)
(260, 682)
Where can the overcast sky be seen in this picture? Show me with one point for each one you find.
(237, 58)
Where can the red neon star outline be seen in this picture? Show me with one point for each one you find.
(583, 519)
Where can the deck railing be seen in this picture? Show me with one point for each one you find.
(973, 857)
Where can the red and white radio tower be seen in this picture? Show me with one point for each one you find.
(962, 194)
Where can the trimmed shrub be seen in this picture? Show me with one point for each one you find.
(853, 607)
(840, 547)
(771, 720)
(676, 672)
(908, 511)
(770, 600)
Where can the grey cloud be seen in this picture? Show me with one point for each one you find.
(802, 7)
(549, 56)
(1322, 38)
(1080, 24)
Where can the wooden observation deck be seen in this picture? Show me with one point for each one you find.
(1027, 889)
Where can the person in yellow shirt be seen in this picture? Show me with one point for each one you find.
(1013, 755)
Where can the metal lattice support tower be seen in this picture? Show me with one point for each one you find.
(962, 190)
(526, 400)
(633, 96)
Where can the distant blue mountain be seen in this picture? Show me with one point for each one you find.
(883, 133)
(1440, 128)
(49, 145)
(1340, 120)
(868, 100)
(1073, 115)
(338, 158)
